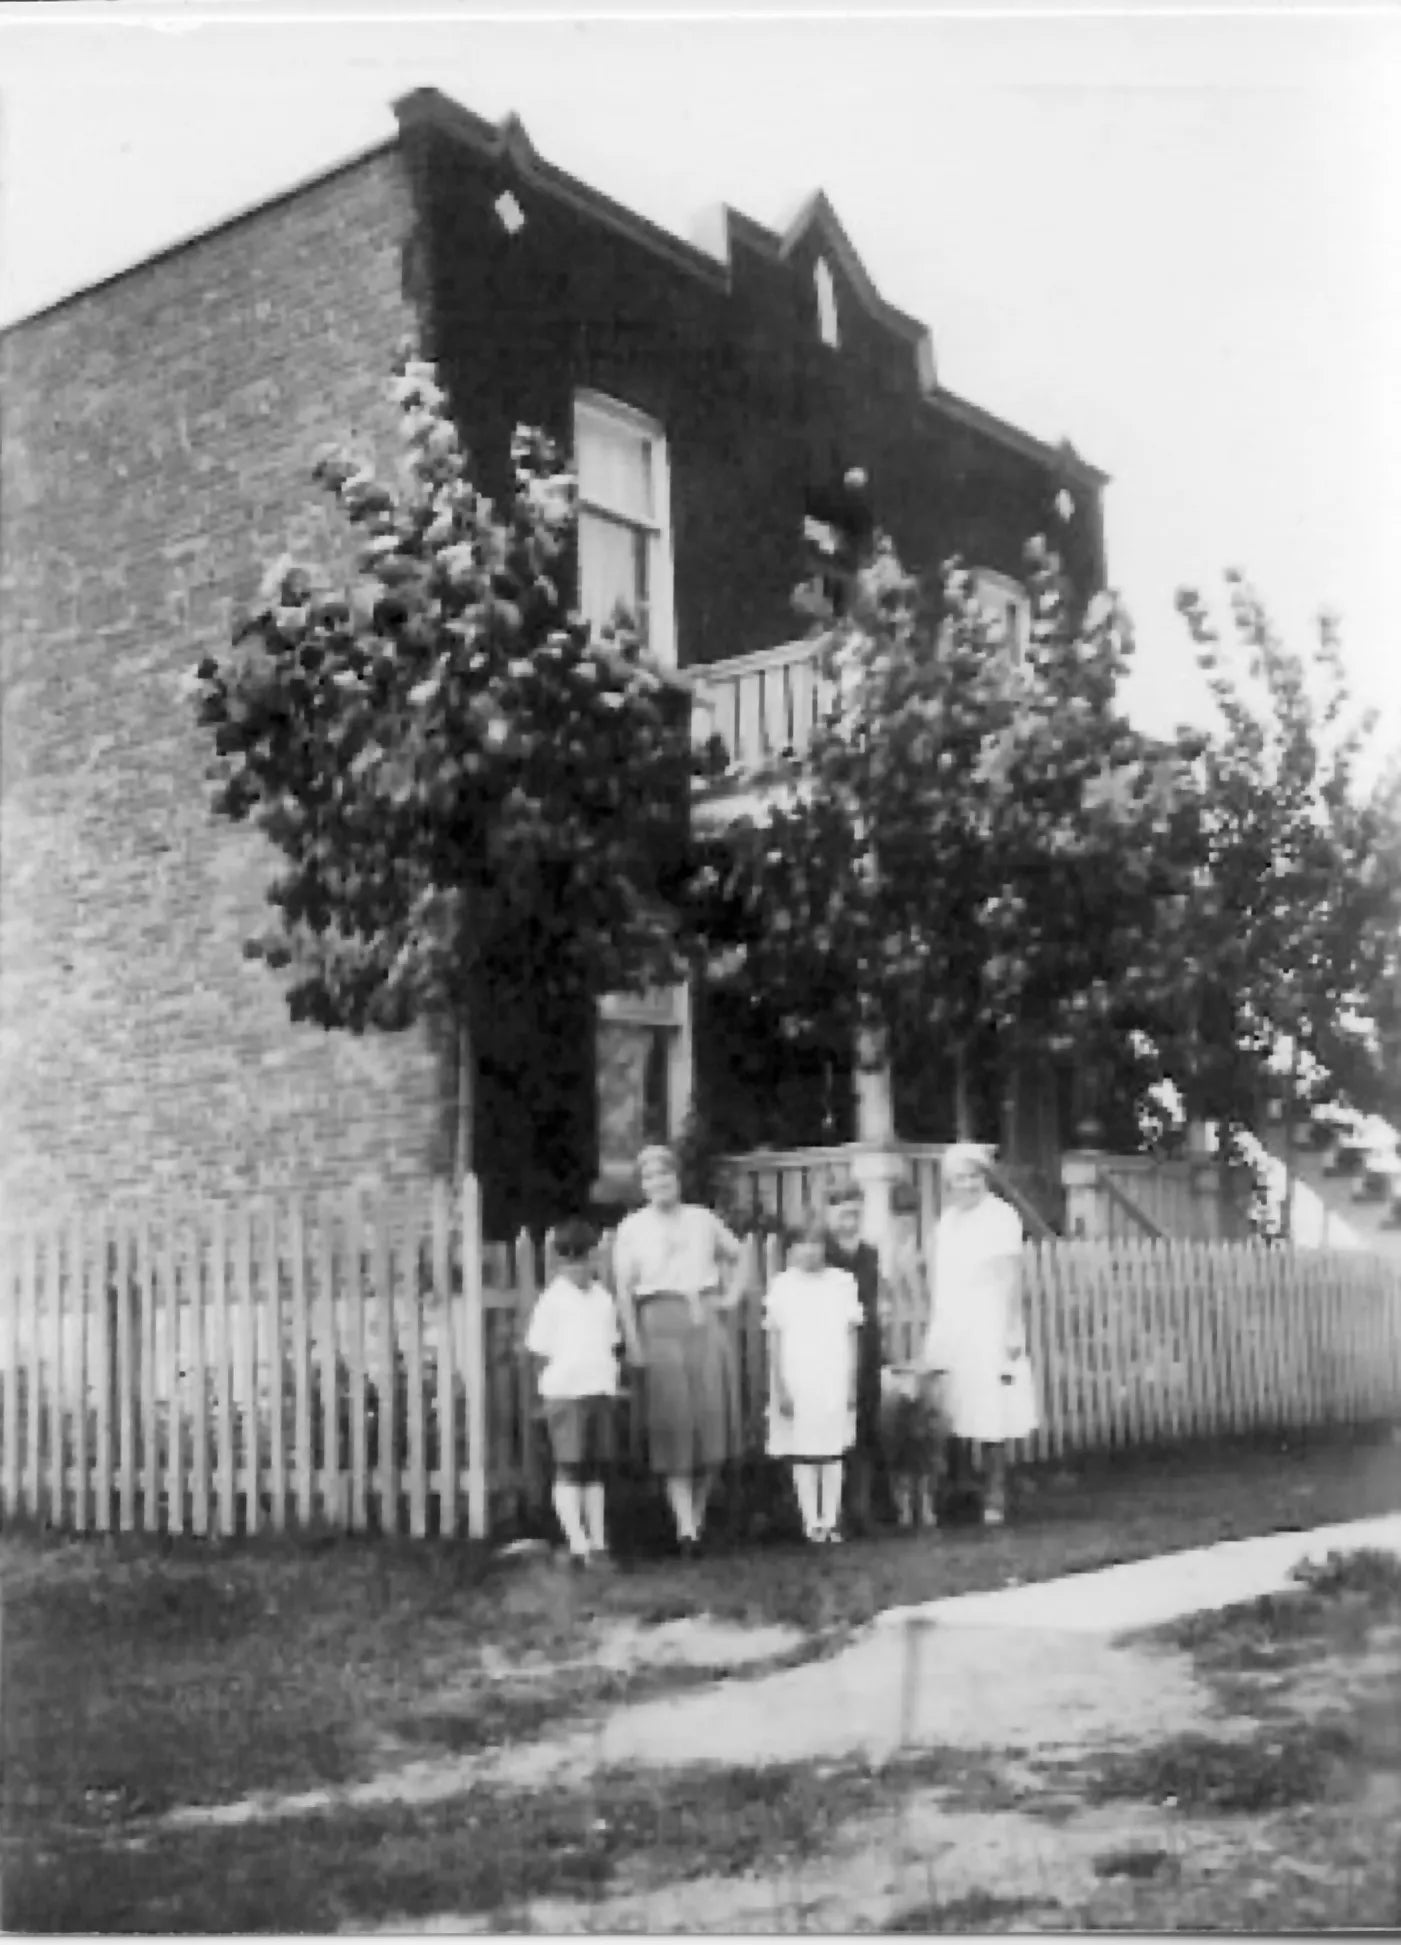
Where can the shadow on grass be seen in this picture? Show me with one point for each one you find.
(979, 1911)
(481, 1854)
(1202, 1775)
(486, 1852)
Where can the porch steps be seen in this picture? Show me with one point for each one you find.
(1346, 1168)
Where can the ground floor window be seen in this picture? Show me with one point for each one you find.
(643, 1079)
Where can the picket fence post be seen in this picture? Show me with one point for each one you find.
(447, 1360)
(302, 1471)
(9, 1296)
(414, 1212)
(527, 1388)
(474, 1373)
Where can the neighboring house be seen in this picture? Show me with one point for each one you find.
(159, 431)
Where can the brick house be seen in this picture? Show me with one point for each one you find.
(158, 435)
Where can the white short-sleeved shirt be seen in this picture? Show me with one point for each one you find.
(685, 1249)
(576, 1332)
(967, 1245)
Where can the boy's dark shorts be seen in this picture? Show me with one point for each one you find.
(582, 1435)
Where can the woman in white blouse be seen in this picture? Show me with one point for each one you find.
(977, 1333)
(678, 1269)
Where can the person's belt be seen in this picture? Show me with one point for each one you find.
(641, 1297)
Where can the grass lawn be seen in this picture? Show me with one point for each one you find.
(138, 1678)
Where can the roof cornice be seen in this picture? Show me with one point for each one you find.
(429, 108)
(1061, 458)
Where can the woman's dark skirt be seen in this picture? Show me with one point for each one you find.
(690, 1388)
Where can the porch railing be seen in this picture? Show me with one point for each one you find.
(761, 706)
(780, 1183)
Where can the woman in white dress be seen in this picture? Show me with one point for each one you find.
(812, 1315)
(977, 1332)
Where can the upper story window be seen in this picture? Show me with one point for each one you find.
(1007, 606)
(624, 521)
(827, 327)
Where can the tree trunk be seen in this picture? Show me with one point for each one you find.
(464, 1157)
(1011, 1107)
(962, 1109)
(1286, 1214)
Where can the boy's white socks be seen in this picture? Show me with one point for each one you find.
(569, 1505)
(593, 1517)
(830, 1495)
(806, 1486)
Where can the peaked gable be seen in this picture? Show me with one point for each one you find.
(818, 227)
(725, 232)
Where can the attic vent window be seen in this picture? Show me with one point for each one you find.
(826, 304)
(511, 214)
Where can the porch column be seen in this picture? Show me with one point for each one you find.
(680, 1062)
(877, 1163)
(1079, 1174)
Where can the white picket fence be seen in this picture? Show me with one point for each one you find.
(356, 1361)
(215, 1368)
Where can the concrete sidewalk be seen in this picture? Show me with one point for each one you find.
(1149, 1593)
(1037, 1667)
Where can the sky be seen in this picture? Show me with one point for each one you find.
(1175, 238)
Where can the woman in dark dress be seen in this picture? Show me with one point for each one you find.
(679, 1272)
(846, 1251)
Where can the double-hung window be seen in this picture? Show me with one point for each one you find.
(1007, 606)
(624, 522)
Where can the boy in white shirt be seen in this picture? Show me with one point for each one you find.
(575, 1333)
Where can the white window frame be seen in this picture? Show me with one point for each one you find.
(829, 327)
(997, 594)
(614, 414)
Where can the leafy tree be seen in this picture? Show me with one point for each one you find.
(973, 849)
(1288, 947)
(472, 798)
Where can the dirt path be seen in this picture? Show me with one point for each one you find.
(979, 1735)
(1018, 1699)
(917, 1686)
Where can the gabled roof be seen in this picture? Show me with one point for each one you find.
(817, 215)
(713, 261)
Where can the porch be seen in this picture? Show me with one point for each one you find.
(1102, 1197)
(762, 705)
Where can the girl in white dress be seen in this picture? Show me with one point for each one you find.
(812, 1315)
(977, 1332)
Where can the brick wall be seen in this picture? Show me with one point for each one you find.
(158, 435)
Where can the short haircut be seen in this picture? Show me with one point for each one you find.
(846, 1192)
(575, 1240)
(904, 1199)
(658, 1152)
